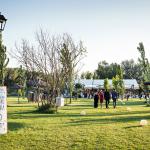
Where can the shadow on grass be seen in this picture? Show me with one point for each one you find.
(132, 127)
(20, 105)
(35, 114)
(13, 126)
(77, 107)
(85, 121)
(24, 112)
(132, 103)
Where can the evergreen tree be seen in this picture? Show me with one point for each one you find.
(3, 61)
(106, 84)
(121, 82)
(145, 68)
(144, 63)
(70, 56)
(68, 70)
(115, 83)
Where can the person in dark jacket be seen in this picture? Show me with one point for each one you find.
(96, 97)
(114, 96)
(107, 97)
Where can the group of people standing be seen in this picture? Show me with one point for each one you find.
(106, 95)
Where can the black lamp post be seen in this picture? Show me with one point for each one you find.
(2, 50)
(2, 22)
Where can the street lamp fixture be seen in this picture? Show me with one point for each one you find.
(2, 22)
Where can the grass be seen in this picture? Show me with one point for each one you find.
(100, 129)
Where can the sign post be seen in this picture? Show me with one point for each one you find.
(3, 110)
(59, 101)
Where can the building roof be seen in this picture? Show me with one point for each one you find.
(99, 83)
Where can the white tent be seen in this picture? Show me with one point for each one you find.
(95, 84)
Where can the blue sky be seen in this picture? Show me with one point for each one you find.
(110, 29)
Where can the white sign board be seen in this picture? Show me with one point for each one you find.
(3, 110)
(59, 101)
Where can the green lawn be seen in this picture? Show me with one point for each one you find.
(100, 129)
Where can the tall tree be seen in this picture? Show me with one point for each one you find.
(131, 70)
(121, 82)
(95, 75)
(88, 75)
(106, 84)
(115, 83)
(102, 70)
(9, 81)
(106, 70)
(70, 56)
(55, 58)
(144, 63)
(44, 59)
(3, 61)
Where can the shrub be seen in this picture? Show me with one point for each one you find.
(47, 108)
